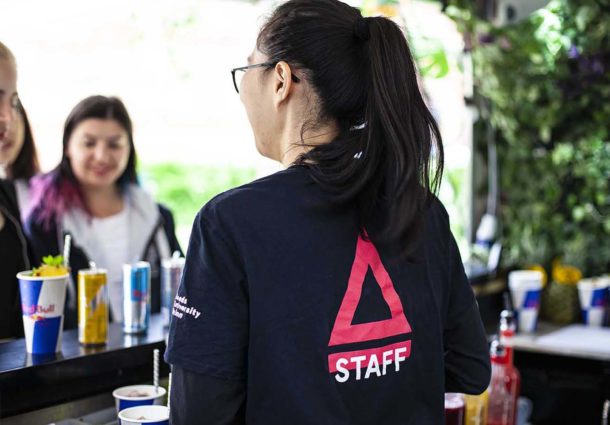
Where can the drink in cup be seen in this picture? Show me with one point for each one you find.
(476, 408)
(136, 297)
(593, 296)
(43, 295)
(526, 291)
(145, 415)
(138, 395)
(455, 408)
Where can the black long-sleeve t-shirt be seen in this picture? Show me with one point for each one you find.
(288, 315)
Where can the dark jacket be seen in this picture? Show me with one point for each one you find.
(48, 240)
(14, 244)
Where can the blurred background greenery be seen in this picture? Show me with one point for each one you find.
(546, 81)
(185, 188)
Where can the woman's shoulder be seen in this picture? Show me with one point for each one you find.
(252, 195)
(246, 205)
(437, 226)
(436, 211)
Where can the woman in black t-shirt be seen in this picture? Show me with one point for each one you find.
(332, 292)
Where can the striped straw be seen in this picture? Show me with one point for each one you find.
(156, 370)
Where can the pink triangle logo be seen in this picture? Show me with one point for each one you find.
(344, 332)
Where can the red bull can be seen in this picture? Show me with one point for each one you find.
(171, 274)
(92, 306)
(136, 297)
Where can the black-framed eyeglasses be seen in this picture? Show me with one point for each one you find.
(238, 73)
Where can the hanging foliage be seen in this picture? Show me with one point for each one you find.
(548, 81)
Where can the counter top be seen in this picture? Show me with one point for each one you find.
(575, 340)
(30, 382)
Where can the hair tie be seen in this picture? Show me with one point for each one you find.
(361, 29)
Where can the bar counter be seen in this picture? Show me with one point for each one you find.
(31, 382)
(566, 379)
(565, 371)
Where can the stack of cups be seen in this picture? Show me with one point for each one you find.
(593, 295)
(138, 396)
(526, 291)
(42, 306)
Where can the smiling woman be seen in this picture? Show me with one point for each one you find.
(98, 162)
(93, 194)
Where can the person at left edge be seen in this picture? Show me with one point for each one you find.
(93, 195)
(14, 253)
(18, 153)
(19, 162)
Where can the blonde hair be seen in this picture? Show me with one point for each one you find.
(6, 54)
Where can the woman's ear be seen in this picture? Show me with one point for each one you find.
(282, 82)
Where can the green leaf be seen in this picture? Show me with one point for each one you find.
(50, 260)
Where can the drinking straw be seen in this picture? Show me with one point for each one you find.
(156, 369)
(67, 242)
(169, 390)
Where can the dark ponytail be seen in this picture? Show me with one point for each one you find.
(364, 76)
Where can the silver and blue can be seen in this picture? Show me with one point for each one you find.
(171, 274)
(136, 297)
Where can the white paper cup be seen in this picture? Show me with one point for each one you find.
(526, 291)
(137, 395)
(42, 308)
(593, 296)
(149, 415)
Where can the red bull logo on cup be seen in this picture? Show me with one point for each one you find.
(31, 310)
